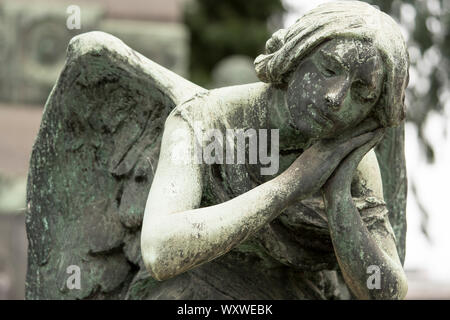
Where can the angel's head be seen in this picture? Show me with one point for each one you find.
(339, 64)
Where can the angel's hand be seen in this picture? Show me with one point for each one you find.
(314, 166)
(340, 181)
(356, 246)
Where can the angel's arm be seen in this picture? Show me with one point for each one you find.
(177, 235)
(361, 251)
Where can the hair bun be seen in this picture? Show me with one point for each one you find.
(276, 41)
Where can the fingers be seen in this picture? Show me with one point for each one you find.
(356, 156)
(365, 126)
(356, 142)
(346, 169)
(340, 181)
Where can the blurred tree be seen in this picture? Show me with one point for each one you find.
(223, 28)
(427, 24)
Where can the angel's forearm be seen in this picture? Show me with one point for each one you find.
(174, 243)
(357, 253)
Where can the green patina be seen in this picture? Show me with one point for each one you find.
(94, 160)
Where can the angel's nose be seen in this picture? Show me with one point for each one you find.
(336, 95)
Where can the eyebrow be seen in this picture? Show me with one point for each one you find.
(336, 58)
(369, 77)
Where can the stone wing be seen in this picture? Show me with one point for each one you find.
(91, 169)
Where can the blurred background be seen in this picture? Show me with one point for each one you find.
(213, 43)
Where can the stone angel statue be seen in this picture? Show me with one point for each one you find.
(118, 197)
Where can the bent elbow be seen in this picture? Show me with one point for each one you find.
(398, 288)
(395, 289)
(402, 286)
(155, 258)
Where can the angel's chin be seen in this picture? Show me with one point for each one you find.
(313, 130)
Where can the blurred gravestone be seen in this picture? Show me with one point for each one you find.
(165, 43)
(18, 128)
(34, 38)
(13, 250)
(234, 70)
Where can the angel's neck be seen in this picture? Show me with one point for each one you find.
(279, 117)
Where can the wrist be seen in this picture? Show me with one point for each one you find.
(336, 197)
(290, 183)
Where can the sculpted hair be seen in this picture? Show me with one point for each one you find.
(349, 19)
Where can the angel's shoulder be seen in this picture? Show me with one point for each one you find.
(192, 111)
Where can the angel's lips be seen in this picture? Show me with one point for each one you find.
(318, 116)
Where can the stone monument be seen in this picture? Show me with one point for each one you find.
(143, 185)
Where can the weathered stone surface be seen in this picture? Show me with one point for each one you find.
(165, 43)
(310, 230)
(100, 136)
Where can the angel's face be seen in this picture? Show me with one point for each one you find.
(335, 87)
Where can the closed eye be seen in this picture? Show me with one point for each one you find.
(326, 69)
(328, 72)
(328, 65)
(363, 92)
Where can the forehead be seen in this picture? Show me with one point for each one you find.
(350, 52)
